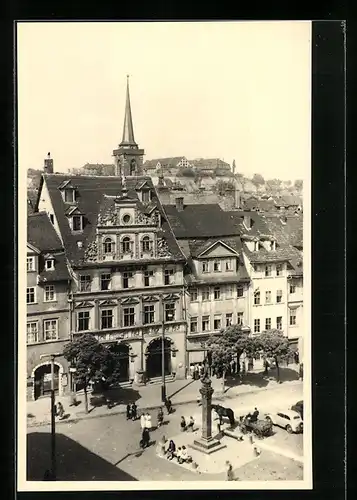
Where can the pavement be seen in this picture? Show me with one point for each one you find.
(108, 448)
(148, 397)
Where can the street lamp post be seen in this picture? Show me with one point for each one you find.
(53, 414)
(163, 382)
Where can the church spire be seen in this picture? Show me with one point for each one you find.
(128, 130)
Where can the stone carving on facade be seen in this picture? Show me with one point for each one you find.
(163, 248)
(147, 220)
(110, 218)
(91, 252)
(154, 330)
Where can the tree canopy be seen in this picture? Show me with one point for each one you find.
(258, 180)
(298, 184)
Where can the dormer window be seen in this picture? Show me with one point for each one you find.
(146, 196)
(50, 264)
(77, 223)
(108, 246)
(272, 245)
(69, 195)
(256, 246)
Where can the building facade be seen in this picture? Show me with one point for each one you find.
(48, 314)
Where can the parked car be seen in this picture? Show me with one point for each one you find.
(299, 408)
(287, 419)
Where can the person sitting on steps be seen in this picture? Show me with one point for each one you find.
(184, 456)
(183, 424)
(171, 450)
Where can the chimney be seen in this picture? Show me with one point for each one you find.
(179, 204)
(48, 164)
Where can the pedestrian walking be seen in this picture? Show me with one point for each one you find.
(196, 373)
(60, 410)
(134, 411)
(160, 417)
(145, 438)
(160, 449)
(142, 421)
(190, 424)
(183, 424)
(168, 405)
(229, 471)
(128, 411)
(148, 423)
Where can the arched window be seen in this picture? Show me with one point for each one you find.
(146, 244)
(108, 246)
(126, 244)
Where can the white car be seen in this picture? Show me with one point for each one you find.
(288, 419)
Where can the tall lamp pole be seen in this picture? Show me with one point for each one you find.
(163, 382)
(53, 414)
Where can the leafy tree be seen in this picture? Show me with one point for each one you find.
(274, 345)
(273, 185)
(221, 187)
(92, 361)
(227, 346)
(258, 180)
(298, 184)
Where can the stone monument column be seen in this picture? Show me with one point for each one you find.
(206, 443)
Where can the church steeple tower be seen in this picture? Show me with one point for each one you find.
(128, 130)
(128, 156)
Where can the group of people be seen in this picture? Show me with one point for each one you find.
(185, 426)
(131, 411)
(180, 453)
(197, 371)
(146, 425)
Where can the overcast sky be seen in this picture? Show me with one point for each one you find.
(228, 90)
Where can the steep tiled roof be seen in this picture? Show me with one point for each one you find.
(60, 272)
(258, 227)
(288, 201)
(41, 233)
(288, 229)
(199, 246)
(90, 200)
(261, 205)
(282, 253)
(199, 221)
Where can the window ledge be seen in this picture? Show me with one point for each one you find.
(31, 303)
(50, 301)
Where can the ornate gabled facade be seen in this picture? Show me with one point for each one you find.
(126, 267)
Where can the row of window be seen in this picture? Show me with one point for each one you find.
(127, 245)
(50, 331)
(217, 265)
(217, 322)
(268, 297)
(205, 292)
(49, 294)
(268, 269)
(127, 280)
(128, 316)
(279, 322)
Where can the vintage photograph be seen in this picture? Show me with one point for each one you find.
(164, 195)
